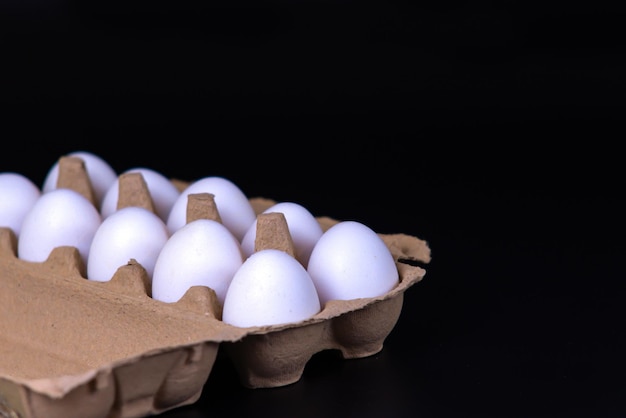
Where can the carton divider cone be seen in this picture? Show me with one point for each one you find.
(272, 231)
(202, 206)
(73, 175)
(133, 191)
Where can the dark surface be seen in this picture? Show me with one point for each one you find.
(492, 131)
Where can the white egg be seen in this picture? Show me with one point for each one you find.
(162, 191)
(351, 261)
(18, 194)
(235, 209)
(61, 217)
(129, 233)
(201, 253)
(270, 288)
(304, 229)
(100, 173)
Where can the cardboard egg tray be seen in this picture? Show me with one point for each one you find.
(71, 347)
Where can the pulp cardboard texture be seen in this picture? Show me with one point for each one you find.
(71, 347)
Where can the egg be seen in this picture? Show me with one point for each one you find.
(100, 173)
(270, 288)
(61, 217)
(128, 233)
(351, 261)
(201, 253)
(162, 191)
(18, 194)
(304, 229)
(234, 208)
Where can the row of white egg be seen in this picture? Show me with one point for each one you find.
(254, 288)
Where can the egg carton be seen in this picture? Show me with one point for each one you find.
(71, 347)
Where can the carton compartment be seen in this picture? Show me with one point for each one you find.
(275, 356)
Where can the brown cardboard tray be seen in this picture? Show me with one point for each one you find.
(71, 347)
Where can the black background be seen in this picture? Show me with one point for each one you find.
(492, 130)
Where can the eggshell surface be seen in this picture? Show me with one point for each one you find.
(351, 261)
(304, 229)
(100, 173)
(235, 209)
(131, 232)
(18, 194)
(162, 191)
(270, 288)
(61, 217)
(201, 253)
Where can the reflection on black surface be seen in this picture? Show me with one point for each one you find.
(330, 386)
